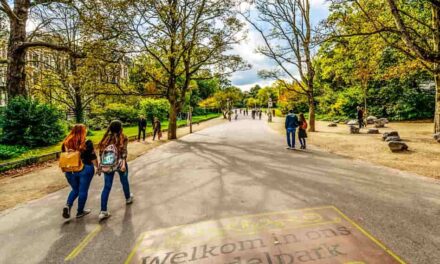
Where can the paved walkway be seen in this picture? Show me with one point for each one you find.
(234, 169)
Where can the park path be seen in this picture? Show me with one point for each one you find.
(233, 169)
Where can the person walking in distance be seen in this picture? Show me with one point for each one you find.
(113, 153)
(157, 129)
(302, 131)
(291, 124)
(142, 127)
(80, 178)
(360, 117)
(260, 114)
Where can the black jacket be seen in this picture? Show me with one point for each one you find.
(360, 114)
(142, 123)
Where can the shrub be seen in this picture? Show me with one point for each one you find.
(155, 108)
(125, 113)
(9, 152)
(30, 123)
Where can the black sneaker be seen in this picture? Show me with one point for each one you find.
(66, 212)
(83, 213)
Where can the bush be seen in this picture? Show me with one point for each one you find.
(125, 113)
(9, 152)
(27, 122)
(155, 108)
(97, 123)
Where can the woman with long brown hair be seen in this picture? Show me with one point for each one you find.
(302, 132)
(79, 181)
(113, 153)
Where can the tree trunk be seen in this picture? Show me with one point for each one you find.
(436, 46)
(312, 114)
(16, 73)
(437, 104)
(79, 110)
(79, 107)
(172, 126)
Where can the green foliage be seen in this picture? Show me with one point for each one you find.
(265, 93)
(101, 117)
(125, 113)
(27, 122)
(155, 108)
(252, 102)
(9, 152)
(220, 99)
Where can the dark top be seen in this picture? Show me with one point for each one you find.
(142, 124)
(360, 114)
(88, 155)
(291, 121)
(302, 133)
(157, 125)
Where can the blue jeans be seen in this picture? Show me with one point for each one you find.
(80, 183)
(291, 137)
(108, 182)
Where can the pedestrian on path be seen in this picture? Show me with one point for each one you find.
(360, 116)
(113, 153)
(302, 131)
(157, 126)
(260, 114)
(291, 124)
(142, 127)
(79, 181)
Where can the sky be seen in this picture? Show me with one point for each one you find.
(247, 79)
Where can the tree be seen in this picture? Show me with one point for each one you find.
(74, 79)
(265, 93)
(286, 29)
(19, 42)
(253, 92)
(184, 40)
(224, 99)
(94, 14)
(412, 27)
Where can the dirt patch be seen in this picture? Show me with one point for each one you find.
(422, 158)
(41, 180)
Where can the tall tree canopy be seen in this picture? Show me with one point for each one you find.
(412, 27)
(287, 31)
(183, 40)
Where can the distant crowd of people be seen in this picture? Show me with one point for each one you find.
(255, 113)
(80, 163)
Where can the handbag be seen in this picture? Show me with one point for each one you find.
(70, 161)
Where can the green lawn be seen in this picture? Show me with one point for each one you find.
(97, 136)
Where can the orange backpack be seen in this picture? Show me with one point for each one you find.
(304, 125)
(70, 161)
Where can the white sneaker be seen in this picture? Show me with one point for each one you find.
(104, 215)
(130, 200)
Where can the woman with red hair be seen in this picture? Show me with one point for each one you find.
(79, 181)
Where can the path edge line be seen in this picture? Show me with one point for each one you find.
(77, 250)
(370, 236)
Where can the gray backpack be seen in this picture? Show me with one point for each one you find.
(109, 159)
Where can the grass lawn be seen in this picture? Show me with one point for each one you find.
(97, 136)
